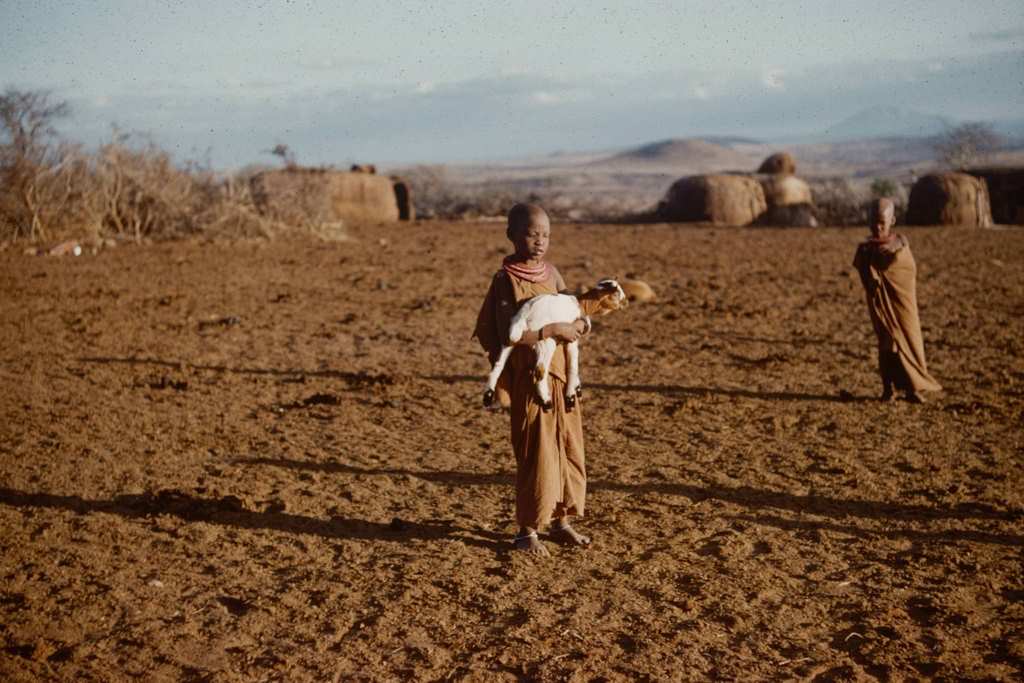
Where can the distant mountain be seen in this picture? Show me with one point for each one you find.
(886, 122)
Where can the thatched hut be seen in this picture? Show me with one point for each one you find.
(785, 190)
(719, 199)
(949, 199)
(789, 202)
(325, 196)
(780, 163)
(1005, 192)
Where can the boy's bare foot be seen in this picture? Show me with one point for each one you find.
(563, 532)
(530, 544)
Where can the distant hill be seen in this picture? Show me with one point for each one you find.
(691, 155)
(729, 140)
(885, 122)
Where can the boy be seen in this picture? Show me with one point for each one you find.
(889, 275)
(551, 478)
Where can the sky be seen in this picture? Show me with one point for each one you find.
(405, 82)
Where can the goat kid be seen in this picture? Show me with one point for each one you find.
(542, 310)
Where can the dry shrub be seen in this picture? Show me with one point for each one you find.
(39, 174)
(437, 196)
(229, 211)
(844, 201)
(582, 197)
(129, 188)
(142, 193)
(125, 190)
(45, 200)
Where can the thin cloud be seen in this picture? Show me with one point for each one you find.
(336, 63)
(773, 79)
(551, 98)
(1002, 36)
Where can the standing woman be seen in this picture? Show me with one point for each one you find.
(889, 275)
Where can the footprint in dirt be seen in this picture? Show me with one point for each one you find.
(844, 672)
(234, 606)
(923, 611)
(727, 545)
(689, 584)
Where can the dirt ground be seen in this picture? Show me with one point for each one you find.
(268, 461)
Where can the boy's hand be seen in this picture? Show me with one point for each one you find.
(565, 332)
(894, 245)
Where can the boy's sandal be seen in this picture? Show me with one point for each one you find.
(532, 534)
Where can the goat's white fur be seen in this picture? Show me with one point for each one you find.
(534, 314)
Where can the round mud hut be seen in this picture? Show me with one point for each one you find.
(780, 163)
(949, 199)
(718, 199)
(316, 195)
(789, 202)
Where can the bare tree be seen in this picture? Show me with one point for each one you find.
(967, 144)
(27, 121)
(285, 153)
(35, 167)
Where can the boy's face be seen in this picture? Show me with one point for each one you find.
(531, 242)
(882, 225)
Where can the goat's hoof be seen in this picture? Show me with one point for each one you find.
(547, 405)
(570, 401)
(579, 391)
(488, 398)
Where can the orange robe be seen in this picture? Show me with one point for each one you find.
(551, 474)
(890, 283)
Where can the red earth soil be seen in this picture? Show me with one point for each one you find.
(268, 461)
